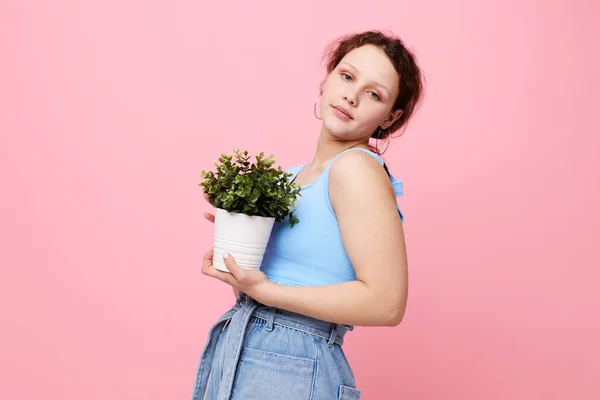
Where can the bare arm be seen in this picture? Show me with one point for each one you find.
(364, 202)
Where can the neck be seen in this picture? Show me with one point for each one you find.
(328, 147)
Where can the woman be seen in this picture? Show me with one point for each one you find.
(344, 264)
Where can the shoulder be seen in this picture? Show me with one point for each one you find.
(359, 177)
(358, 168)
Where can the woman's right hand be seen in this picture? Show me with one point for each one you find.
(210, 217)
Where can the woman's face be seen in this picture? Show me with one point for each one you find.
(359, 94)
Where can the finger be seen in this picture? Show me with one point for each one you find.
(222, 276)
(209, 269)
(209, 216)
(207, 260)
(207, 197)
(236, 270)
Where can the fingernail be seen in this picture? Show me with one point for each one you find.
(225, 255)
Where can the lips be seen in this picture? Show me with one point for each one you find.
(342, 112)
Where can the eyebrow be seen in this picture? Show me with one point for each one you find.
(375, 83)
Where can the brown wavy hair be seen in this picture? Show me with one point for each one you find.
(403, 60)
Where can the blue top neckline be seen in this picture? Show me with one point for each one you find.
(397, 184)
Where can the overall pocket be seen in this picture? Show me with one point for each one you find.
(265, 375)
(348, 393)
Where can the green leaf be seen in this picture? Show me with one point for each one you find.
(252, 188)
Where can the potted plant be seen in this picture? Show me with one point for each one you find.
(249, 197)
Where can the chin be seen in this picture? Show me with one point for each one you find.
(340, 134)
(339, 131)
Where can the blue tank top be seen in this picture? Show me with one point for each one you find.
(311, 253)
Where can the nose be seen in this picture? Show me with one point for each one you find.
(351, 98)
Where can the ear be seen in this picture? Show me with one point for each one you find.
(393, 117)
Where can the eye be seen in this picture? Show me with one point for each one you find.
(375, 96)
(346, 77)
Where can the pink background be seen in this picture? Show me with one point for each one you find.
(110, 109)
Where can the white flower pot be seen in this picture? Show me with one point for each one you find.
(244, 237)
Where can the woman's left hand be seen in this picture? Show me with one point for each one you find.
(252, 282)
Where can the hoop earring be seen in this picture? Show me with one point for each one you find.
(378, 138)
(315, 108)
